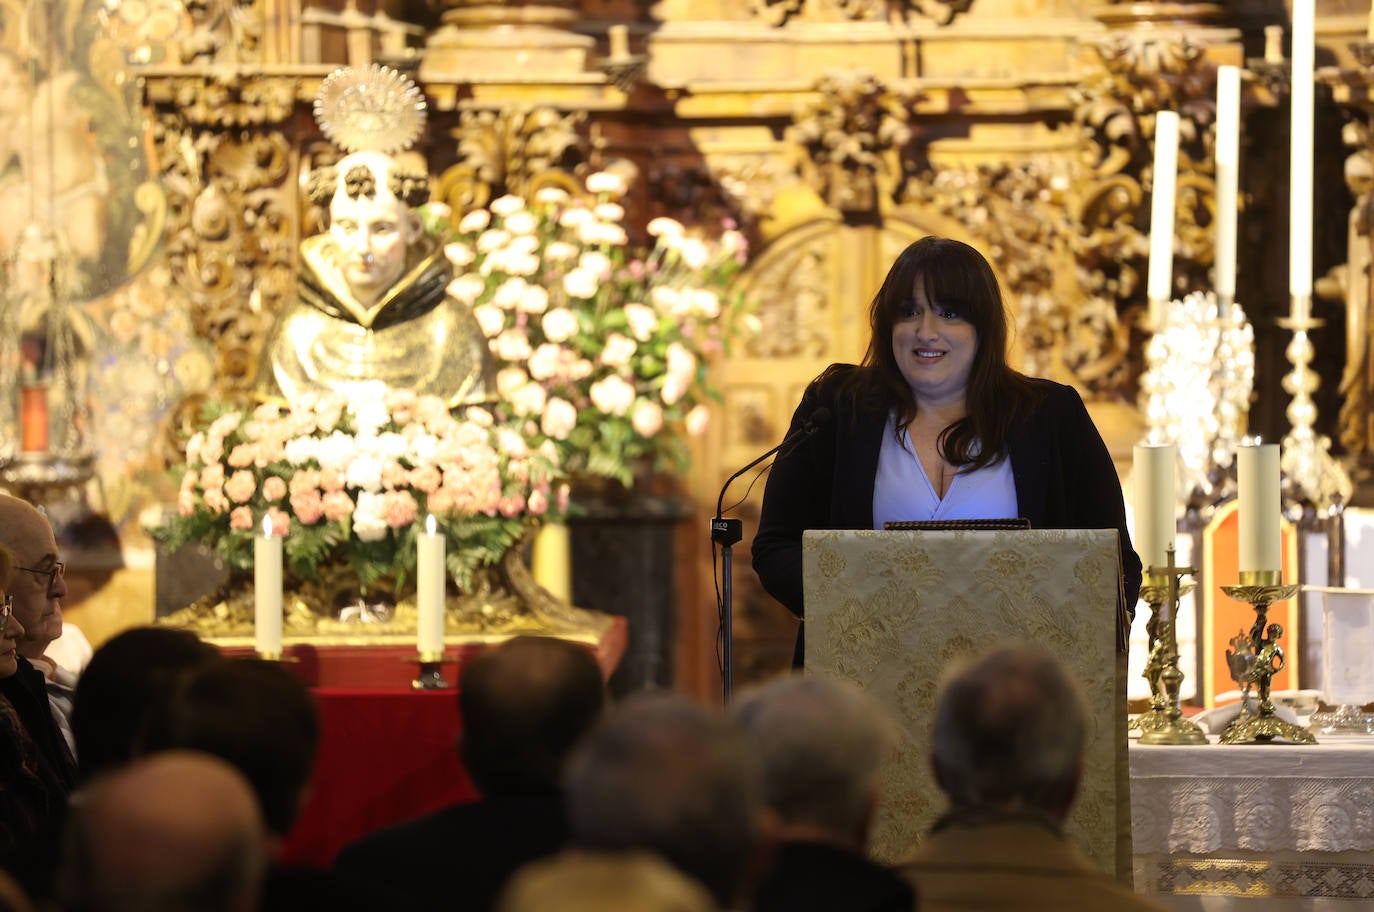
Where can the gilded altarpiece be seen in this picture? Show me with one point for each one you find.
(833, 131)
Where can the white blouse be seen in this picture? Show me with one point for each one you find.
(903, 493)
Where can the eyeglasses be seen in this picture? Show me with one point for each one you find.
(5, 611)
(53, 573)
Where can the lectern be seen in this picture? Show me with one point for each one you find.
(889, 610)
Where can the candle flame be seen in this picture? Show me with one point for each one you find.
(267, 527)
(431, 525)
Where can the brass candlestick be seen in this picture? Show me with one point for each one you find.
(1164, 723)
(431, 676)
(1256, 659)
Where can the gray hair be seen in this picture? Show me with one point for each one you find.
(662, 774)
(823, 743)
(1009, 731)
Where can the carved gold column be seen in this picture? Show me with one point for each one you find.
(482, 38)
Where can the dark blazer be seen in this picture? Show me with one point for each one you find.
(1063, 473)
(465, 851)
(813, 877)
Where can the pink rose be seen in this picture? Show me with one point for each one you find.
(539, 503)
(281, 522)
(245, 454)
(241, 518)
(215, 501)
(426, 478)
(331, 481)
(394, 475)
(304, 480)
(399, 508)
(273, 488)
(241, 486)
(562, 497)
(336, 505)
(441, 502)
(308, 505)
(512, 505)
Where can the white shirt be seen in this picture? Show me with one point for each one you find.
(903, 493)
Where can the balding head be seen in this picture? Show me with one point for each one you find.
(525, 704)
(37, 594)
(170, 832)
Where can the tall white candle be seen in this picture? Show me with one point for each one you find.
(1260, 509)
(267, 584)
(620, 42)
(1154, 502)
(1228, 170)
(430, 578)
(1300, 178)
(1160, 279)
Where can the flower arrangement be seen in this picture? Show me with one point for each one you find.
(355, 478)
(606, 350)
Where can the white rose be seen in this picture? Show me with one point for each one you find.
(560, 251)
(508, 293)
(696, 420)
(559, 325)
(647, 418)
(521, 223)
(474, 221)
(571, 218)
(605, 182)
(534, 299)
(665, 227)
(512, 345)
(459, 254)
(466, 288)
(642, 321)
(595, 262)
(509, 380)
(560, 417)
(391, 445)
(613, 395)
(492, 319)
(704, 302)
(551, 196)
(693, 252)
(369, 519)
(544, 363)
(581, 284)
(618, 350)
(364, 472)
(422, 447)
(300, 450)
(335, 451)
(609, 212)
(492, 240)
(528, 400)
(508, 205)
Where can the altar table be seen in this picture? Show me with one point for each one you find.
(1274, 826)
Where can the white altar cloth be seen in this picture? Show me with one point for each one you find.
(1290, 823)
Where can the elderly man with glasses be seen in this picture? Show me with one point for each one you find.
(36, 770)
(38, 589)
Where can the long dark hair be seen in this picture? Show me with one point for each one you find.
(957, 277)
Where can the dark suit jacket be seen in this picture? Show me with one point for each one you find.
(460, 856)
(36, 775)
(1063, 473)
(813, 877)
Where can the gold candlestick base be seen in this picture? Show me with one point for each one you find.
(431, 675)
(1254, 662)
(1164, 722)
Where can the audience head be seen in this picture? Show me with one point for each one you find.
(822, 743)
(597, 882)
(660, 773)
(525, 704)
(37, 586)
(175, 832)
(128, 682)
(1009, 733)
(257, 716)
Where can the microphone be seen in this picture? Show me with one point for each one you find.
(730, 531)
(726, 532)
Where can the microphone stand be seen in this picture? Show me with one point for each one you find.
(728, 532)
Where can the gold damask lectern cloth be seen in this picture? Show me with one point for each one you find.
(889, 610)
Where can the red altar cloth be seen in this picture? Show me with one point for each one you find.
(387, 752)
(385, 756)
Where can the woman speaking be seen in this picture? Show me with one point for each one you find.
(934, 425)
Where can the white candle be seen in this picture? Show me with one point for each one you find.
(267, 582)
(620, 42)
(551, 560)
(1273, 44)
(1300, 179)
(430, 579)
(1369, 27)
(1260, 510)
(1228, 170)
(1154, 502)
(1161, 273)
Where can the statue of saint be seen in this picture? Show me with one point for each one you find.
(373, 303)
